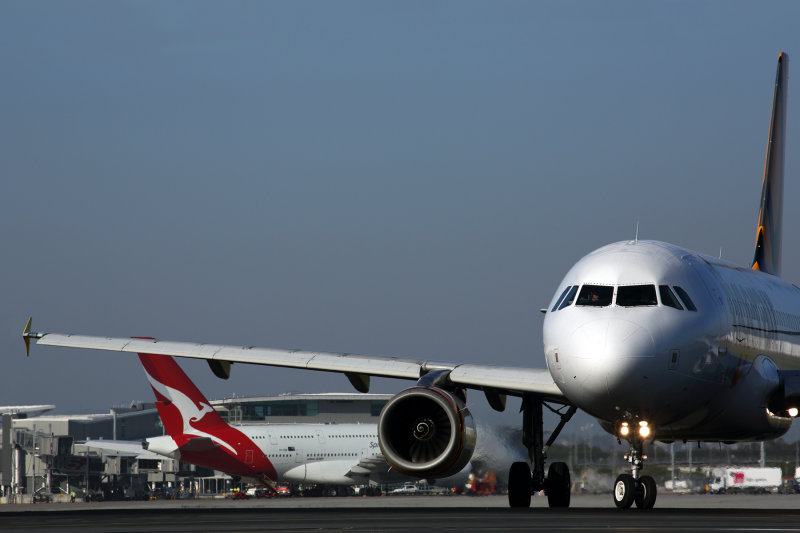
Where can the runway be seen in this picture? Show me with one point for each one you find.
(395, 514)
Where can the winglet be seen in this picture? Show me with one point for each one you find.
(767, 256)
(27, 335)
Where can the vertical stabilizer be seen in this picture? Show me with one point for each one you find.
(200, 434)
(767, 257)
(183, 408)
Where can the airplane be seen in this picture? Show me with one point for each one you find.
(655, 341)
(330, 454)
(25, 410)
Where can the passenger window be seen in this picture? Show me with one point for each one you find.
(595, 295)
(636, 295)
(570, 297)
(560, 298)
(685, 297)
(668, 297)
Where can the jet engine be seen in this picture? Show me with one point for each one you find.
(426, 432)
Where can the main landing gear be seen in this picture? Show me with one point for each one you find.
(632, 488)
(522, 482)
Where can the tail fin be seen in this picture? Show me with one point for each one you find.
(767, 257)
(201, 436)
(183, 408)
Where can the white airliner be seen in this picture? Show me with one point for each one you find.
(655, 341)
(331, 454)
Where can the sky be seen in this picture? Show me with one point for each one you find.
(391, 178)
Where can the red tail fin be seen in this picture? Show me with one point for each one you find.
(183, 408)
(202, 436)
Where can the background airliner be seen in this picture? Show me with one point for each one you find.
(331, 454)
(655, 341)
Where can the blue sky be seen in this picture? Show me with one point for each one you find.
(396, 178)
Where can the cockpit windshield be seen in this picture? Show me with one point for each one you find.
(558, 302)
(595, 295)
(636, 295)
(626, 296)
(668, 297)
(685, 297)
(569, 298)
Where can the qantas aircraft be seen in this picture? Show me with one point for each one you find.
(334, 454)
(655, 341)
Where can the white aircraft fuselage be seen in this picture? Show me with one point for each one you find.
(305, 453)
(641, 354)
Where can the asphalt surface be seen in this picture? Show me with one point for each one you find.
(410, 513)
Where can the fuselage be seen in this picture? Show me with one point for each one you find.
(322, 454)
(311, 453)
(645, 330)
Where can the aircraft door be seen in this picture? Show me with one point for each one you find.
(248, 457)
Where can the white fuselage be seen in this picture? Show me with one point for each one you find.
(318, 454)
(311, 453)
(639, 353)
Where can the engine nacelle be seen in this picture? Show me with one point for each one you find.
(426, 432)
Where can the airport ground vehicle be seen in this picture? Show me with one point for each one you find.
(745, 479)
(406, 489)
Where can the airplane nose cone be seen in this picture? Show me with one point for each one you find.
(612, 339)
(606, 357)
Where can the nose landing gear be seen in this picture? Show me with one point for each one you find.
(632, 488)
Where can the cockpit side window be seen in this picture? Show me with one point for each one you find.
(636, 295)
(569, 298)
(685, 297)
(595, 295)
(560, 298)
(668, 297)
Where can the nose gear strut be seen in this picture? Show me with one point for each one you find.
(633, 488)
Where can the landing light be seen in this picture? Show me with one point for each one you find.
(644, 430)
(792, 411)
(624, 430)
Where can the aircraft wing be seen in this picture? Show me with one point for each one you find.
(130, 448)
(375, 466)
(357, 368)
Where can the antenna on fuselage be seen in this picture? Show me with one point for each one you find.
(636, 238)
(720, 253)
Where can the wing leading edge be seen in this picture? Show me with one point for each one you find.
(358, 368)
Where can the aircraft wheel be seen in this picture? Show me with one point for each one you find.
(519, 485)
(624, 491)
(558, 485)
(646, 493)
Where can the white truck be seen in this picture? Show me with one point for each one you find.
(745, 479)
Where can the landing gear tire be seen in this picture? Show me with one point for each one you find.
(624, 491)
(646, 493)
(519, 485)
(558, 485)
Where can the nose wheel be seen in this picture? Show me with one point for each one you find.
(629, 491)
(632, 488)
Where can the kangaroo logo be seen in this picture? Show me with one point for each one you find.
(190, 413)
